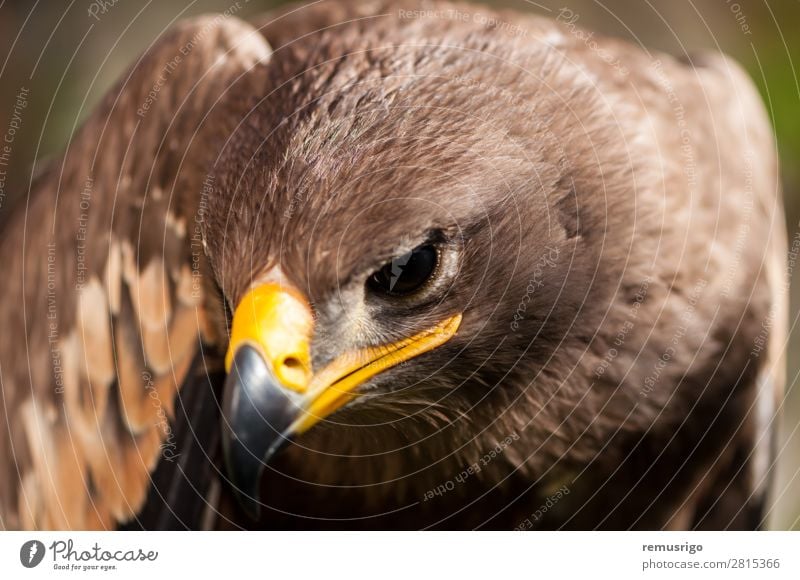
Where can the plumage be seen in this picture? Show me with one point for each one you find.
(609, 238)
(131, 244)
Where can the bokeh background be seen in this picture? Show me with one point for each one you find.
(67, 54)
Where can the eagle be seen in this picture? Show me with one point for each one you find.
(398, 264)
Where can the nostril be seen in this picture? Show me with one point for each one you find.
(292, 372)
(292, 363)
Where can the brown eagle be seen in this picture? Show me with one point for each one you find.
(397, 264)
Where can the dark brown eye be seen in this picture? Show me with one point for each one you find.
(405, 274)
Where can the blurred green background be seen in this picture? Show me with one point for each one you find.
(67, 59)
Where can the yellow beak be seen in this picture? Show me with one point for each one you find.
(271, 393)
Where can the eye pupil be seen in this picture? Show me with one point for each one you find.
(407, 273)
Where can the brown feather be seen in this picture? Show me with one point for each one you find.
(94, 330)
(113, 276)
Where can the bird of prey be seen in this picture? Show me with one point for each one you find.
(396, 264)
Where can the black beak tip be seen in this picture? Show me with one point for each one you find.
(245, 472)
(257, 412)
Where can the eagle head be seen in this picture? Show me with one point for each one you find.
(402, 256)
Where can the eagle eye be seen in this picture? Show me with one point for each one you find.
(407, 273)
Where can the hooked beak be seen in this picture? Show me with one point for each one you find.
(271, 394)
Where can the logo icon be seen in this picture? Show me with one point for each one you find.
(398, 265)
(31, 553)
